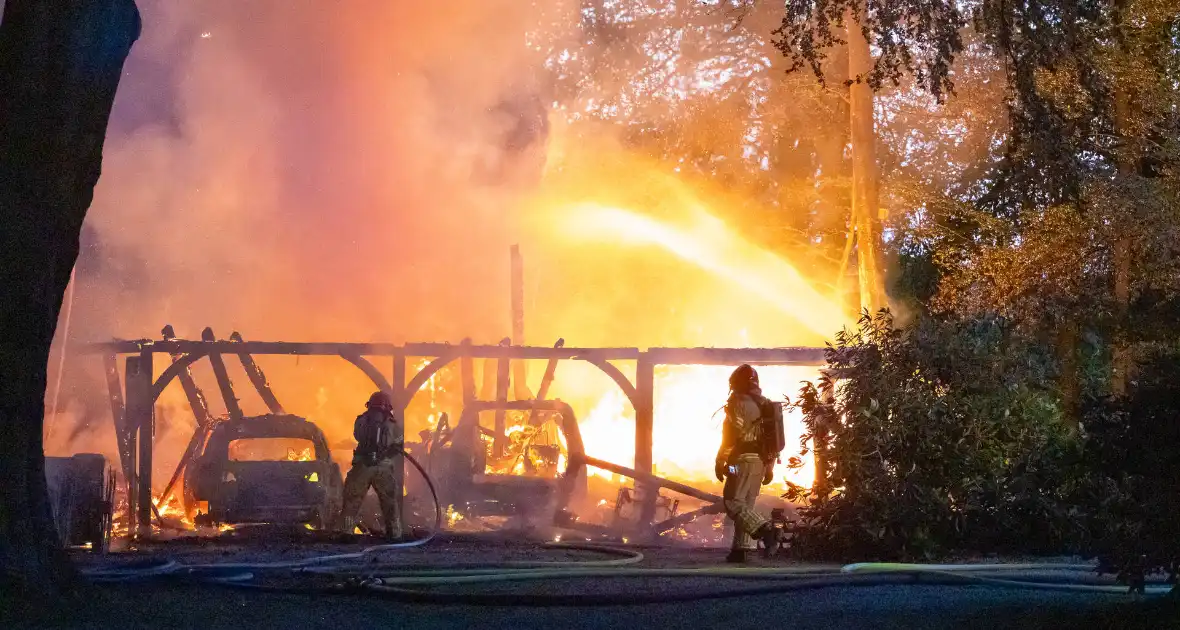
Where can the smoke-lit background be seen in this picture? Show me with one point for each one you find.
(318, 171)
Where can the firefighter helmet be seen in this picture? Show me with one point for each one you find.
(380, 400)
(743, 379)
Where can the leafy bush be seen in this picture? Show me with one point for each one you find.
(939, 438)
(1132, 449)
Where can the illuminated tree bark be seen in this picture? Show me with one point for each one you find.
(60, 64)
(1121, 361)
(865, 173)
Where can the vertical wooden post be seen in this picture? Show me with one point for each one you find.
(123, 435)
(467, 430)
(520, 368)
(500, 441)
(467, 374)
(400, 400)
(127, 433)
(400, 403)
(644, 427)
(141, 416)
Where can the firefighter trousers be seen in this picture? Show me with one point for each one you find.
(740, 494)
(384, 482)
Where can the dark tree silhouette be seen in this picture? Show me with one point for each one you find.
(60, 64)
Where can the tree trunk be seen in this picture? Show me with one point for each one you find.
(1121, 361)
(865, 174)
(834, 213)
(60, 64)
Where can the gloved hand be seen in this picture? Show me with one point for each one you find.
(768, 476)
(719, 468)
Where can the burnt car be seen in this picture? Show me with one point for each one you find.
(274, 468)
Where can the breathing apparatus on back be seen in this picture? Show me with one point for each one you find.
(772, 436)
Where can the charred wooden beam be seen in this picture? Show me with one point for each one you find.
(500, 440)
(223, 382)
(735, 356)
(550, 372)
(644, 403)
(427, 372)
(257, 378)
(123, 435)
(686, 518)
(466, 438)
(648, 479)
(400, 402)
(200, 407)
(538, 418)
(365, 349)
(657, 356)
(401, 397)
(519, 368)
(141, 415)
(196, 398)
(370, 371)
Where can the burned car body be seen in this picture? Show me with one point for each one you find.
(275, 468)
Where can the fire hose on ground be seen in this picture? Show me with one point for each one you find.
(173, 568)
(356, 572)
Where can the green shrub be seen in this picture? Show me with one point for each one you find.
(939, 438)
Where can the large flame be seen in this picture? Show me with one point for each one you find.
(708, 243)
(688, 418)
(752, 290)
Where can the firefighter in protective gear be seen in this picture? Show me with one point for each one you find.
(379, 442)
(744, 465)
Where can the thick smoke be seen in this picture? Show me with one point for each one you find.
(307, 170)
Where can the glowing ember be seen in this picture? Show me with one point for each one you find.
(453, 515)
(305, 455)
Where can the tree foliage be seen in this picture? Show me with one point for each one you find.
(913, 37)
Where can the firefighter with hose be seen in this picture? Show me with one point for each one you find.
(379, 443)
(752, 438)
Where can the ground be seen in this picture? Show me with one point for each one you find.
(187, 605)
